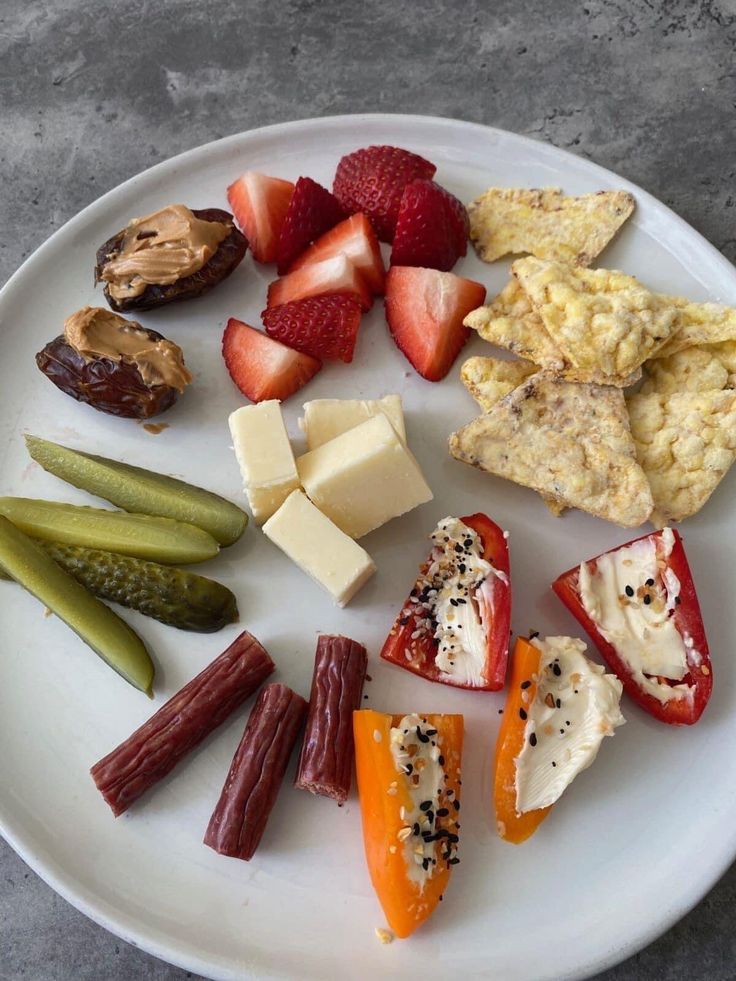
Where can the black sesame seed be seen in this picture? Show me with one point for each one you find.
(556, 669)
(526, 684)
(462, 567)
(533, 739)
(453, 601)
(558, 703)
(562, 732)
(458, 548)
(677, 601)
(443, 812)
(649, 582)
(403, 621)
(629, 591)
(533, 634)
(500, 711)
(522, 715)
(647, 599)
(408, 767)
(441, 760)
(421, 736)
(415, 829)
(431, 732)
(553, 763)
(453, 861)
(567, 723)
(425, 805)
(456, 805)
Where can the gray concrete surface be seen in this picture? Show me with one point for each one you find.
(93, 92)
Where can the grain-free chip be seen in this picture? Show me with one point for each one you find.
(489, 379)
(685, 442)
(600, 318)
(546, 223)
(567, 441)
(510, 322)
(705, 368)
(699, 323)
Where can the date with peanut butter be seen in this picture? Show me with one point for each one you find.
(173, 254)
(115, 365)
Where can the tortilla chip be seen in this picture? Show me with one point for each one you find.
(545, 223)
(699, 323)
(686, 443)
(707, 368)
(510, 322)
(568, 442)
(489, 379)
(600, 318)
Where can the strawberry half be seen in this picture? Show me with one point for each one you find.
(373, 179)
(323, 326)
(312, 211)
(260, 204)
(261, 367)
(425, 310)
(335, 275)
(431, 229)
(357, 241)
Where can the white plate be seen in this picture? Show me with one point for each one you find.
(633, 845)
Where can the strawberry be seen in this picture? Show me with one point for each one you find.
(356, 239)
(425, 310)
(432, 227)
(324, 326)
(261, 367)
(335, 275)
(312, 211)
(373, 179)
(260, 205)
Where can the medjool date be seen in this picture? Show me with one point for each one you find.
(111, 386)
(228, 255)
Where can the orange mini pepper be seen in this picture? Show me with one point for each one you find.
(512, 826)
(410, 842)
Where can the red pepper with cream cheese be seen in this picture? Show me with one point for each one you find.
(454, 627)
(639, 606)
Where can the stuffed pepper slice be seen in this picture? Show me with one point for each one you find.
(454, 627)
(639, 606)
(559, 707)
(408, 772)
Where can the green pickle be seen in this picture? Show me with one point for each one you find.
(145, 537)
(97, 625)
(141, 491)
(173, 596)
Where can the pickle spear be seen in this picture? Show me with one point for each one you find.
(109, 636)
(141, 491)
(173, 596)
(145, 537)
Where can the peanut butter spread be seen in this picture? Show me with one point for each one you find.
(98, 333)
(160, 249)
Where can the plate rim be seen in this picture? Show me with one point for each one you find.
(64, 883)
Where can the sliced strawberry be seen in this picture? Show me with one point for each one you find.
(312, 211)
(432, 227)
(335, 275)
(357, 241)
(425, 310)
(260, 204)
(323, 326)
(261, 367)
(373, 179)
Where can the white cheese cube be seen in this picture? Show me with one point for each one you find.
(319, 548)
(265, 456)
(363, 478)
(324, 419)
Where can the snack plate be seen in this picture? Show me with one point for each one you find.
(631, 847)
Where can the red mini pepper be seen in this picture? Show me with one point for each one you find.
(412, 646)
(688, 622)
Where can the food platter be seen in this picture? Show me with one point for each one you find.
(634, 845)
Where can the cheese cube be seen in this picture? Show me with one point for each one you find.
(363, 478)
(326, 418)
(265, 456)
(319, 548)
